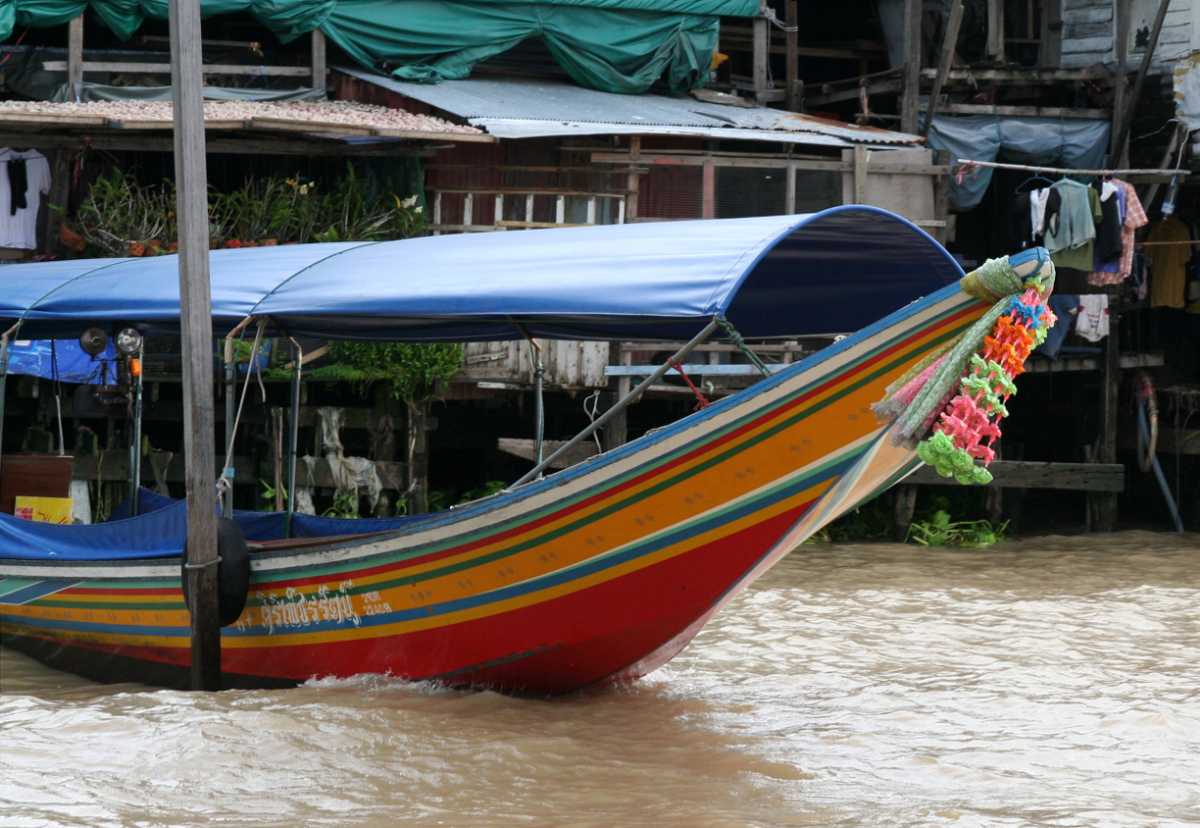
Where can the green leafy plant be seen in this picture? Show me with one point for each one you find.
(345, 505)
(415, 370)
(940, 530)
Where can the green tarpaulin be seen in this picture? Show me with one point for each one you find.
(613, 45)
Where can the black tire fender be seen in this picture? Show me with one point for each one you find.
(233, 572)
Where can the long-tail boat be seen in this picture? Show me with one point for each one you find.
(600, 572)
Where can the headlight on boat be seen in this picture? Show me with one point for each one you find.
(129, 341)
(93, 341)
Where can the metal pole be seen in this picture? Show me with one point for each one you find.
(136, 465)
(230, 414)
(195, 296)
(621, 404)
(3, 387)
(539, 374)
(293, 439)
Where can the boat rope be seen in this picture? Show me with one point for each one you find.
(948, 406)
(736, 338)
(701, 400)
(591, 406)
(225, 481)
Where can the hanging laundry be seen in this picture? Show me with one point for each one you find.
(1108, 229)
(1168, 263)
(24, 179)
(1092, 321)
(1071, 243)
(1020, 228)
(18, 180)
(1064, 306)
(1044, 205)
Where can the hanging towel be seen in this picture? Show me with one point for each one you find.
(1168, 263)
(1092, 321)
(1071, 242)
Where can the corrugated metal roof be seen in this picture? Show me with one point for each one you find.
(519, 108)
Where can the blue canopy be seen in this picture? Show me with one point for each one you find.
(826, 272)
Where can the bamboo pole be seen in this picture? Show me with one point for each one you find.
(1064, 171)
(949, 41)
(195, 297)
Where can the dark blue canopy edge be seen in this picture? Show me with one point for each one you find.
(828, 272)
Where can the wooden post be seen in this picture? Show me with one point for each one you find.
(74, 58)
(633, 180)
(762, 58)
(792, 58)
(789, 197)
(418, 458)
(1121, 24)
(912, 66)
(1104, 504)
(60, 193)
(616, 433)
(195, 298)
(1131, 105)
(318, 60)
(995, 31)
(949, 41)
(1050, 47)
(862, 159)
(708, 189)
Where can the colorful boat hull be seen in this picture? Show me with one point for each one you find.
(599, 573)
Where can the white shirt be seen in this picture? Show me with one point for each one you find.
(1092, 321)
(20, 229)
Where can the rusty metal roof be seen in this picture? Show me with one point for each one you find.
(522, 108)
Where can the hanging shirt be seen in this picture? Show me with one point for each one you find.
(1071, 242)
(1168, 263)
(1037, 205)
(1020, 231)
(18, 227)
(1092, 321)
(1135, 219)
(1109, 272)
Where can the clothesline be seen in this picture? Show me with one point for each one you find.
(1061, 171)
(1167, 243)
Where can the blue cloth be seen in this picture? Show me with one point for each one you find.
(37, 358)
(833, 271)
(159, 530)
(1067, 142)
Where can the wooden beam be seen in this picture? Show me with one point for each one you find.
(878, 87)
(708, 189)
(526, 450)
(1035, 111)
(995, 30)
(1121, 10)
(74, 65)
(133, 67)
(791, 61)
(762, 58)
(1023, 77)
(1104, 508)
(1118, 147)
(318, 60)
(633, 179)
(949, 42)
(861, 160)
(912, 65)
(1024, 474)
(1050, 45)
(195, 297)
(115, 141)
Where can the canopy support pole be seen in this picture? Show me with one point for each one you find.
(293, 436)
(622, 403)
(135, 465)
(4, 382)
(230, 415)
(539, 374)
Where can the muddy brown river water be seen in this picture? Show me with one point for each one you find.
(1051, 682)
